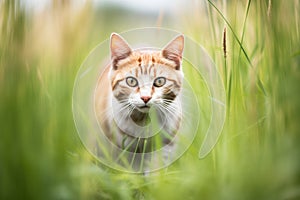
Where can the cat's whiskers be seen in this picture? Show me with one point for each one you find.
(170, 103)
(130, 110)
(125, 110)
(173, 110)
(162, 110)
(171, 107)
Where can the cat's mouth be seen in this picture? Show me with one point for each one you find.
(144, 108)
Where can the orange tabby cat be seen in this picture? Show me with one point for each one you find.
(135, 82)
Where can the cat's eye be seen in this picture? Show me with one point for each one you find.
(160, 81)
(131, 81)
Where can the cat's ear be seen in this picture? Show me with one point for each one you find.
(173, 50)
(119, 49)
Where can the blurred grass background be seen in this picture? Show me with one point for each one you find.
(42, 47)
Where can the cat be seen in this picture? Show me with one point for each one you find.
(135, 83)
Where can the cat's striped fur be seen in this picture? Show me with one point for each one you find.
(135, 82)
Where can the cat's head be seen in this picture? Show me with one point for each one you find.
(145, 78)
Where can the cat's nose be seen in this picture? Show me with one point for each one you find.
(145, 98)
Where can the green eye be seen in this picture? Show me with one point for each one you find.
(160, 81)
(131, 81)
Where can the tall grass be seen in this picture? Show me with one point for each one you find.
(257, 156)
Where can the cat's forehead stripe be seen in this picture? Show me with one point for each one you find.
(141, 68)
(150, 68)
(145, 69)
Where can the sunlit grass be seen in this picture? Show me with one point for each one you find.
(41, 156)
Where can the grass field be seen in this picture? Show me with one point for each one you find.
(257, 156)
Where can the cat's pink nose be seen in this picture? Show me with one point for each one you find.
(145, 98)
